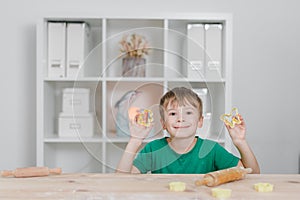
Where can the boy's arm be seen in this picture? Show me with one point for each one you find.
(238, 135)
(126, 162)
(138, 134)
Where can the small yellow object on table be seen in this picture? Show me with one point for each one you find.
(221, 193)
(177, 186)
(263, 187)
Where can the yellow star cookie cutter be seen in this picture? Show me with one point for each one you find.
(232, 118)
(145, 117)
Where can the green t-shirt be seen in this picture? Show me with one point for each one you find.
(205, 157)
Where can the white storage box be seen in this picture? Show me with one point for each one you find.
(76, 100)
(76, 126)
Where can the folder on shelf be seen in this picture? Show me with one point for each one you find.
(213, 44)
(78, 43)
(195, 50)
(56, 49)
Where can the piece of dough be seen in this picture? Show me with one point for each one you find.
(221, 193)
(263, 187)
(177, 186)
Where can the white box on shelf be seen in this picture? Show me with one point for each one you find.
(213, 45)
(56, 49)
(76, 100)
(195, 50)
(78, 45)
(75, 125)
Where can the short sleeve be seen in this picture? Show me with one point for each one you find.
(143, 159)
(224, 159)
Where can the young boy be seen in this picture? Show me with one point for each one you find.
(182, 152)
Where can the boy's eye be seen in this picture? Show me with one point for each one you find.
(172, 114)
(189, 112)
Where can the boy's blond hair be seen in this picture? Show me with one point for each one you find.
(180, 96)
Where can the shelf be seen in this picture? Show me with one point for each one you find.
(113, 138)
(57, 139)
(135, 79)
(81, 79)
(166, 67)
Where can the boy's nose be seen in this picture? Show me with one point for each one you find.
(180, 120)
(180, 117)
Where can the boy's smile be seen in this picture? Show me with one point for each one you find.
(182, 121)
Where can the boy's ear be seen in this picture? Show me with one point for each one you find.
(200, 123)
(162, 124)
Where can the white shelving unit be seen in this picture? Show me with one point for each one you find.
(166, 68)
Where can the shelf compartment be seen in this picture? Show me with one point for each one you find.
(74, 158)
(114, 152)
(149, 97)
(53, 92)
(93, 61)
(153, 32)
(177, 48)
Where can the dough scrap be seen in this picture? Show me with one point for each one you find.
(221, 193)
(177, 186)
(263, 187)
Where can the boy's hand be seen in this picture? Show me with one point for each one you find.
(238, 132)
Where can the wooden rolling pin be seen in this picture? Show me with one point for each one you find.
(223, 176)
(30, 172)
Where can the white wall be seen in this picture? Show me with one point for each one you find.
(266, 41)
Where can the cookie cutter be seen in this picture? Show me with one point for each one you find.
(232, 118)
(145, 117)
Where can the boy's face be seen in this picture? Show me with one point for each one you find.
(181, 121)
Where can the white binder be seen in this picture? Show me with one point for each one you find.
(78, 37)
(213, 44)
(56, 49)
(195, 51)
